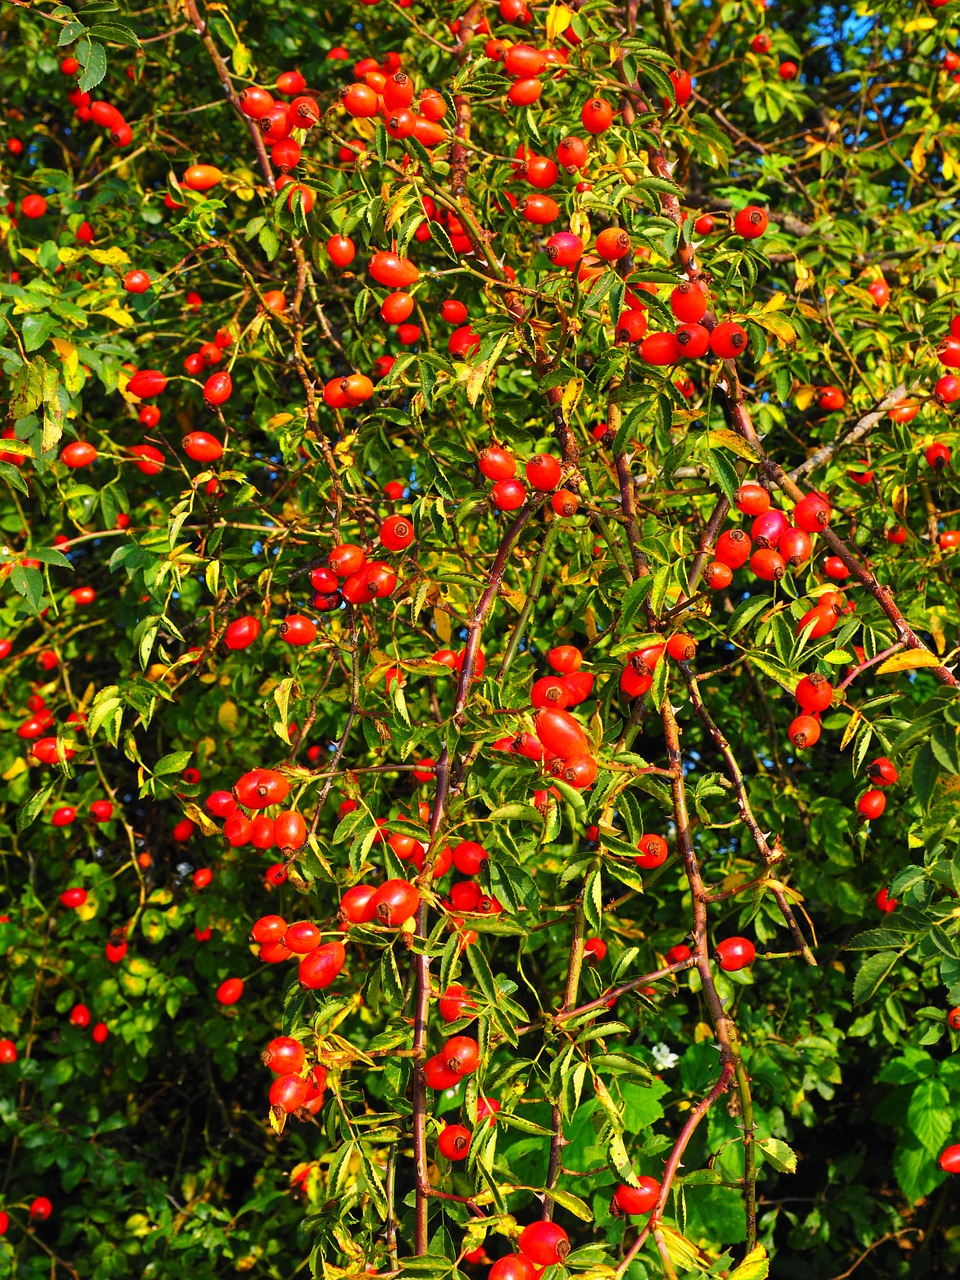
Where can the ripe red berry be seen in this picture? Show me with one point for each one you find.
(136, 282)
(564, 249)
(456, 1003)
(297, 630)
(514, 1266)
(395, 901)
(461, 1055)
(814, 693)
(321, 967)
(508, 495)
(752, 499)
(882, 772)
(728, 340)
(871, 804)
(812, 513)
(543, 472)
(639, 1199)
(454, 1142)
(751, 222)
(596, 115)
(804, 732)
(230, 991)
(717, 576)
(735, 953)
(937, 455)
(653, 852)
(594, 949)
(612, 244)
(688, 302)
(545, 1243)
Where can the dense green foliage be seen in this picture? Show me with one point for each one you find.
(794, 1109)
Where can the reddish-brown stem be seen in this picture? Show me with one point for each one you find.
(870, 662)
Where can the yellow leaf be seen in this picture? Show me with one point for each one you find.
(935, 619)
(918, 156)
(683, 1252)
(899, 498)
(755, 1266)
(923, 23)
(805, 276)
(279, 420)
(117, 315)
(908, 660)
(851, 729)
(775, 303)
(228, 716)
(441, 621)
(949, 169)
(114, 257)
(19, 766)
(559, 18)
(736, 444)
(782, 329)
(197, 816)
(702, 1031)
(571, 395)
(804, 398)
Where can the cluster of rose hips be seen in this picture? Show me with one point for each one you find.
(257, 791)
(543, 473)
(148, 384)
(773, 545)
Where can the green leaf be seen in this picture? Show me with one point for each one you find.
(175, 762)
(37, 328)
(778, 1154)
(93, 58)
(871, 975)
(30, 808)
(116, 33)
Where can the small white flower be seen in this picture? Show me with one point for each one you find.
(663, 1057)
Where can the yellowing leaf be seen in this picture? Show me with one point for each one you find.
(923, 23)
(571, 395)
(755, 1266)
(736, 444)
(19, 766)
(228, 716)
(805, 276)
(559, 18)
(441, 620)
(918, 156)
(804, 398)
(775, 303)
(114, 257)
(197, 815)
(117, 315)
(908, 660)
(683, 1252)
(851, 729)
(782, 329)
